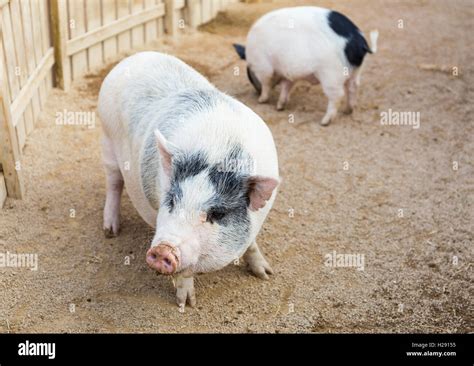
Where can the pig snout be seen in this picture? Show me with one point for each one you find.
(164, 258)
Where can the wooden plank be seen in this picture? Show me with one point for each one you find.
(77, 27)
(194, 13)
(124, 40)
(22, 68)
(21, 131)
(109, 14)
(93, 21)
(59, 25)
(10, 54)
(2, 44)
(117, 27)
(205, 11)
(38, 46)
(151, 28)
(161, 23)
(36, 24)
(171, 18)
(3, 190)
(30, 62)
(31, 113)
(9, 58)
(215, 7)
(9, 146)
(46, 30)
(21, 102)
(138, 32)
(25, 21)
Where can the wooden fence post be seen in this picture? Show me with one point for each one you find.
(59, 26)
(194, 13)
(9, 146)
(171, 17)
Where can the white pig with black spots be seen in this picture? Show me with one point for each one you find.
(306, 43)
(198, 165)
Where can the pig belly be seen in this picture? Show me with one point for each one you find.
(294, 72)
(311, 78)
(305, 67)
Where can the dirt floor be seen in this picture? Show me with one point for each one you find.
(418, 261)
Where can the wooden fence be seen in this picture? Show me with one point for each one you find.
(50, 43)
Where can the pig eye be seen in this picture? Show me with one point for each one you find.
(215, 215)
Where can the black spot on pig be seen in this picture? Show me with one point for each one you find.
(229, 207)
(173, 195)
(240, 50)
(188, 165)
(356, 46)
(231, 190)
(184, 166)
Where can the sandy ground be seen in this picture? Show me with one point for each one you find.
(410, 283)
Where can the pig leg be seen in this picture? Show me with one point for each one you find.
(350, 87)
(264, 74)
(185, 290)
(334, 90)
(266, 81)
(114, 188)
(284, 94)
(256, 262)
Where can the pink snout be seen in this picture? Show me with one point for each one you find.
(163, 258)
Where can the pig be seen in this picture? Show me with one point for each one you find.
(306, 43)
(199, 166)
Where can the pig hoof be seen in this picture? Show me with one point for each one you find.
(111, 226)
(261, 269)
(263, 99)
(325, 122)
(110, 232)
(186, 297)
(280, 107)
(185, 292)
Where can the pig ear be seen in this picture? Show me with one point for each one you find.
(260, 190)
(165, 148)
(240, 50)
